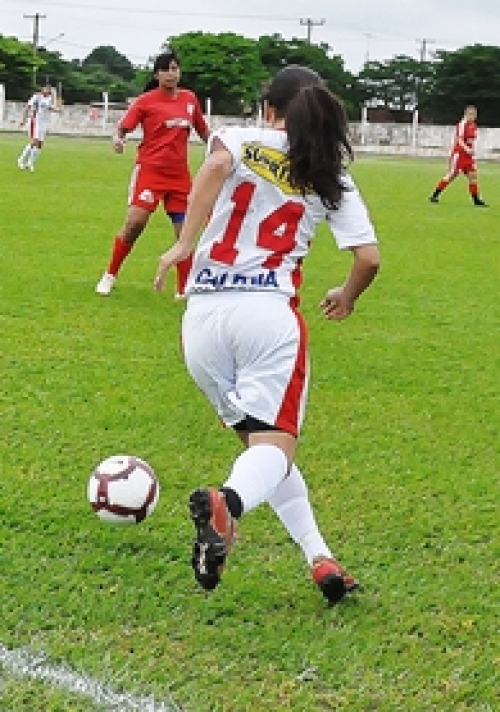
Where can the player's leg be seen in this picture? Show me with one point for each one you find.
(183, 268)
(291, 503)
(175, 202)
(473, 184)
(271, 380)
(445, 181)
(25, 159)
(36, 148)
(242, 364)
(142, 203)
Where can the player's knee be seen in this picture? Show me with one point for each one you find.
(133, 229)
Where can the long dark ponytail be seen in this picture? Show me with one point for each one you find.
(317, 130)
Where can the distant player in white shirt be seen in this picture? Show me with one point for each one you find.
(264, 192)
(36, 113)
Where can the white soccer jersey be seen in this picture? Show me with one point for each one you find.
(261, 228)
(40, 106)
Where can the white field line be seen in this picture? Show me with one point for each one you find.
(23, 662)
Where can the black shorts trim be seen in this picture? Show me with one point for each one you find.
(253, 425)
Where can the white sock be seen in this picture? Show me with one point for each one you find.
(25, 153)
(256, 473)
(290, 501)
(35, 152)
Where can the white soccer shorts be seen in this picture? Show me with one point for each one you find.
(37, 129)
(248, 353)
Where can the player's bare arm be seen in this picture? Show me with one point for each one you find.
(339, 302)
(118, 140)
(25, 115)
(206, 187)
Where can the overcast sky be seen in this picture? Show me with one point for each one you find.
(356, 29)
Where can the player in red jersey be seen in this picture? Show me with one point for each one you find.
(264, 191)
(166, 114)
(462, 159)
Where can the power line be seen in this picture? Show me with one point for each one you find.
(310, 24)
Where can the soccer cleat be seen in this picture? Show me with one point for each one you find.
(21, 164)
(105, 284)
(331, 578)
(480, 203)
(434, 199)
(215, 531)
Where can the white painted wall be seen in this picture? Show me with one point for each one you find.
(385, 139)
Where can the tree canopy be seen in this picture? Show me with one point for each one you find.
(231, 70)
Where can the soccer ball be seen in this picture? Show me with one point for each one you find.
(123, 489)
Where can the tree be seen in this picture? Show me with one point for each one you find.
(470, 75)
(400, 83)
(17, 63)
(225, 68)
(276, 52)
(109, 59)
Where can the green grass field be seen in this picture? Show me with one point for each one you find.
(400, 450)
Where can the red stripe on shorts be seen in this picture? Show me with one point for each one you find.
(288, 416)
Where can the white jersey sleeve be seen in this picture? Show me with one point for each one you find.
(231, 139)
(351, 224)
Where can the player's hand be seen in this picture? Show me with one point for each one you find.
(171, 257)
(335, 305)
(118, 144)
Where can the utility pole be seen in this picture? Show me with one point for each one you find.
(310, 24)
(419, 79)
(423, 47)
(36, 37)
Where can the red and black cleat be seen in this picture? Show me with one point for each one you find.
(215, 532)
(332, 580)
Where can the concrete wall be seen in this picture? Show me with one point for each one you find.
(388, 139)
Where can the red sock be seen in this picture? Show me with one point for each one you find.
(473, 189)
(183, 270)
(442, 184)
(120, 251)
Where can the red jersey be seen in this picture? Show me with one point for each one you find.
(467, 132)
(166, 121)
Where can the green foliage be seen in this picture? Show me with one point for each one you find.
(17, 63)
(225, 67)
(112, 61)
(470, 75)
(400, 83)
(400, 451)
(232, 69)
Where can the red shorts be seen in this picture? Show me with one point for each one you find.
(148, 186)
(461, 162)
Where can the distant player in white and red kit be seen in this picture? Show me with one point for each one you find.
(36, 113)
(167, 114)
(462, 158)
(264, 191)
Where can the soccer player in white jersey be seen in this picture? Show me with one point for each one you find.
(36, 113)
(263, 192)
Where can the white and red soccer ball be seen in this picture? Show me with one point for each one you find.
(123, 489)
